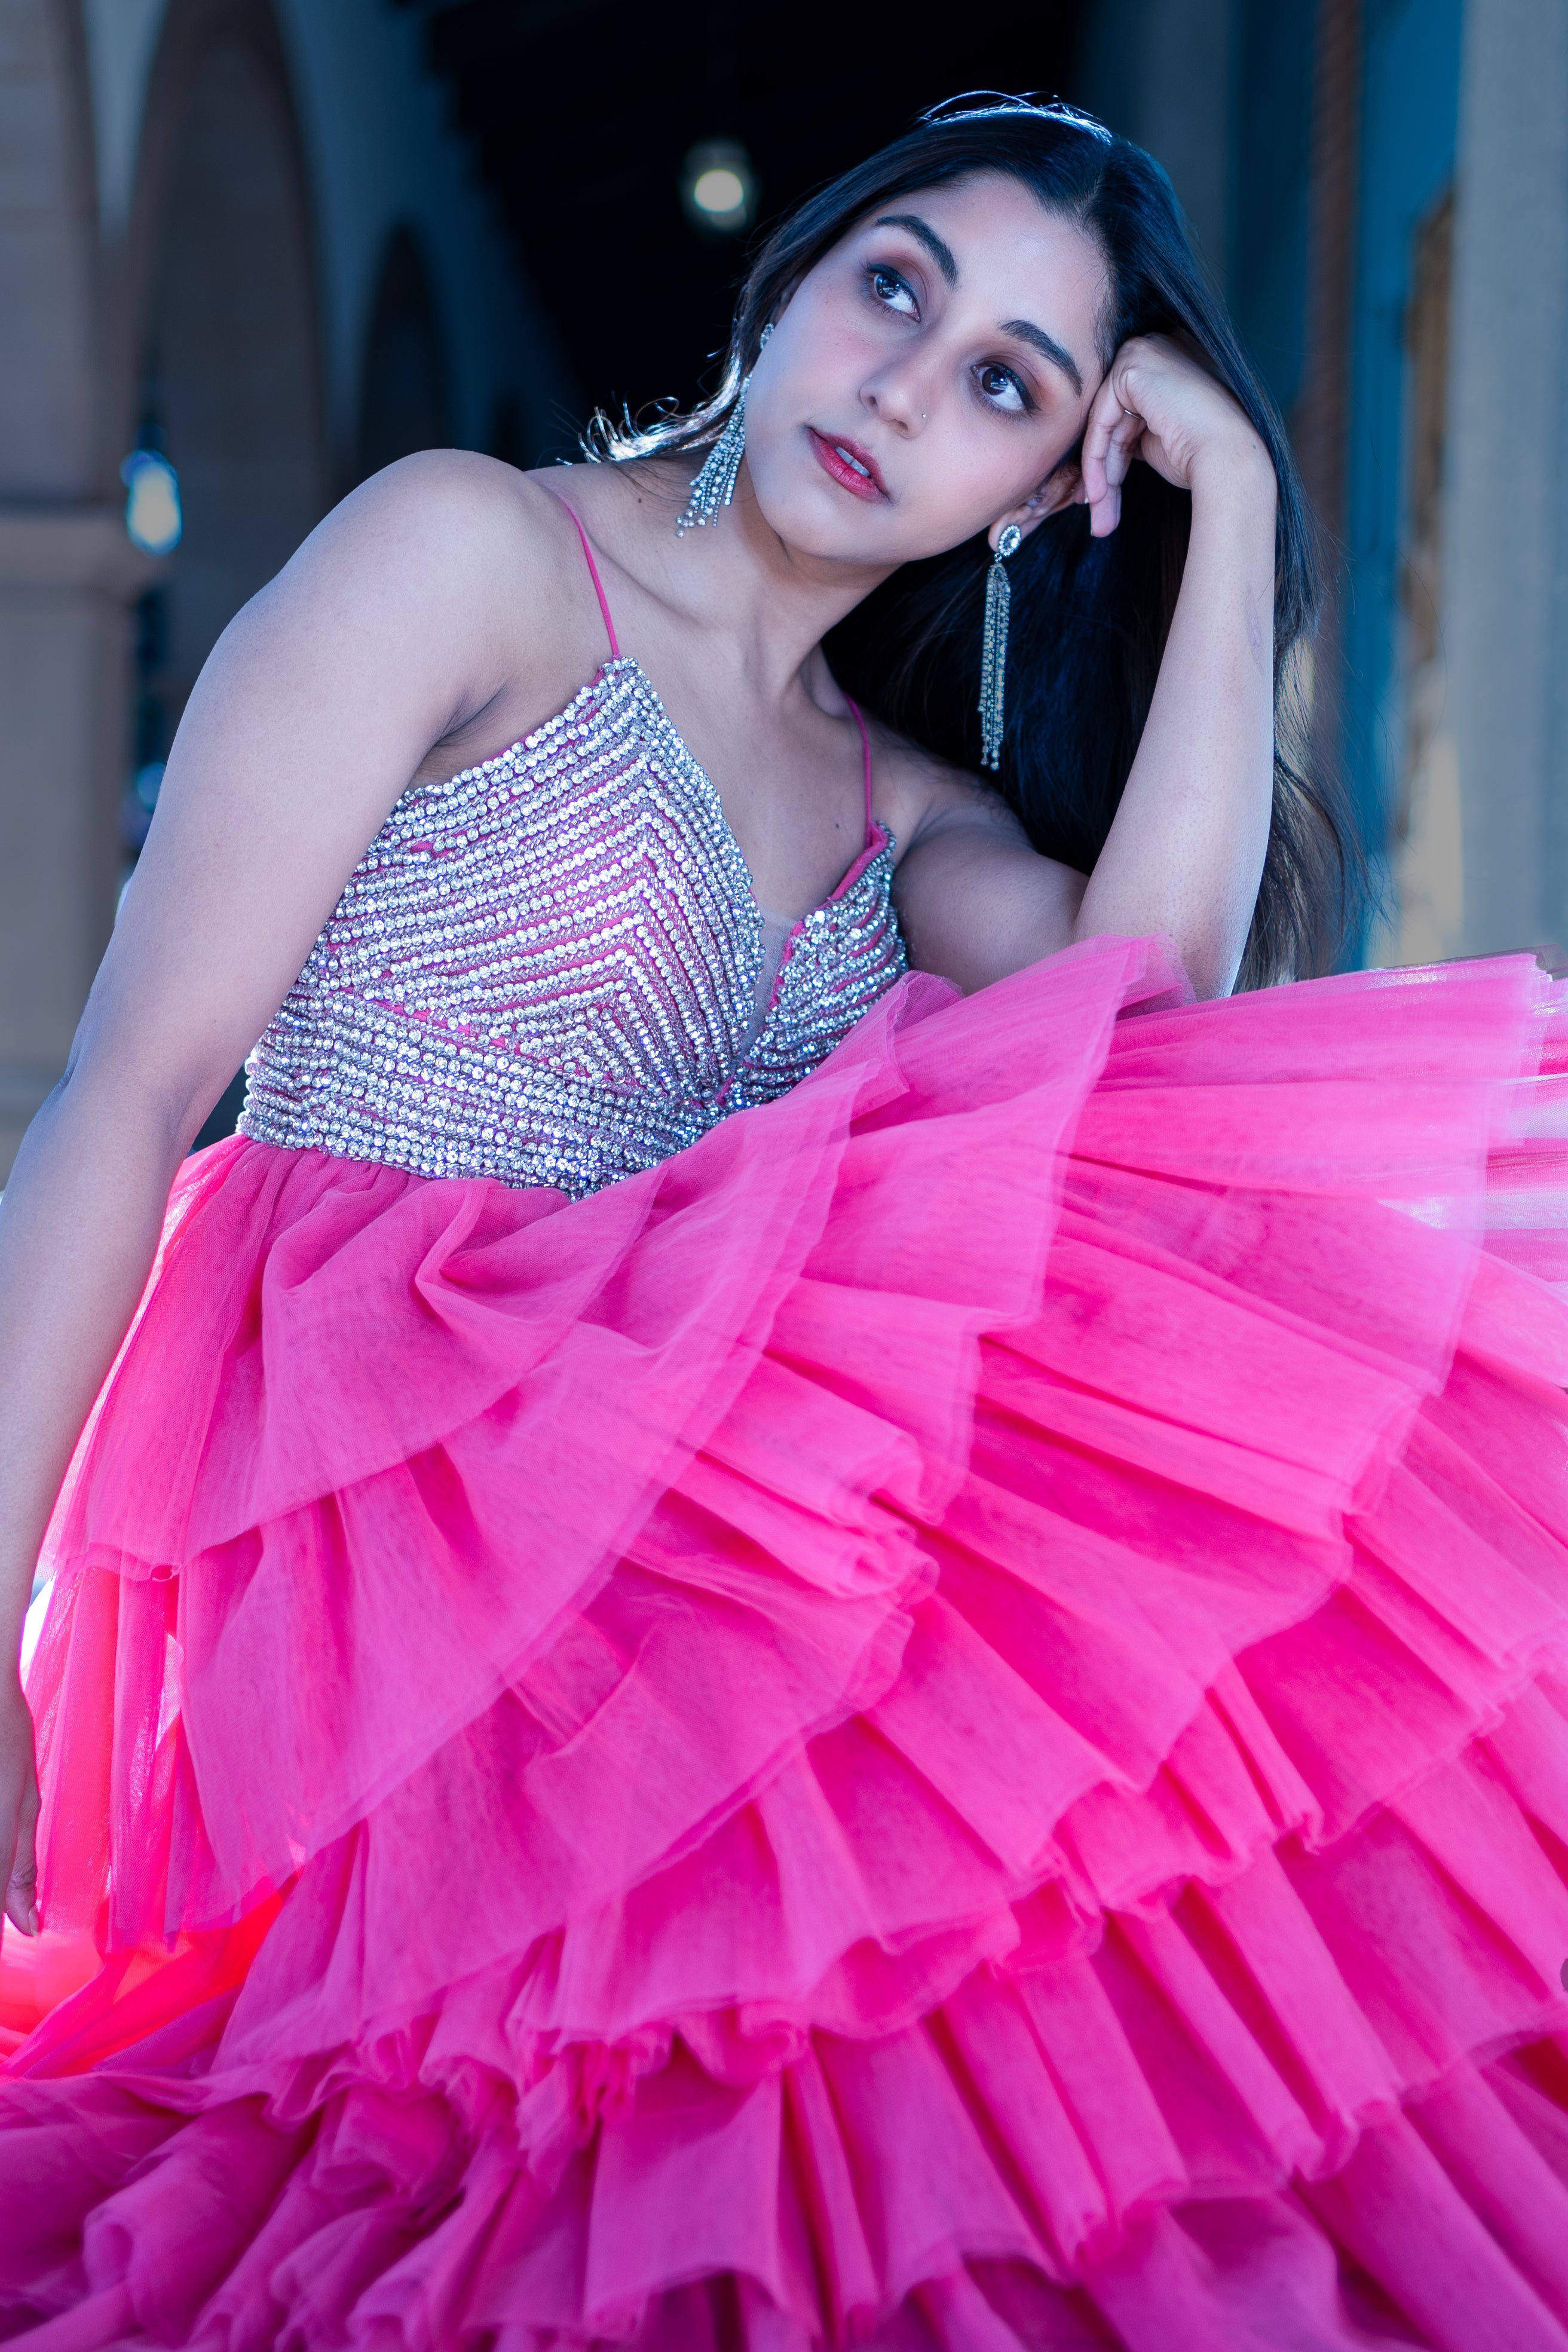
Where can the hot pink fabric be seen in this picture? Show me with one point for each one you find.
(942, 1723)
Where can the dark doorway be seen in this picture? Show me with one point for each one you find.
(403, 393)
(230, 385)
(582, 113)
(230, 371)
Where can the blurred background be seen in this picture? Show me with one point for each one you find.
(251, 250)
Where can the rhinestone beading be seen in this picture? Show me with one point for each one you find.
(546, 968)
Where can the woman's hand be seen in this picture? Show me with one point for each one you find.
(18, 1807)
(1159, 405)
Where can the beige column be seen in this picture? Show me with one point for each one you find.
(1506, 501)
(68, 575)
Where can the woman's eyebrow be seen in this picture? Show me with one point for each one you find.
(1049, 345)
(940, 253)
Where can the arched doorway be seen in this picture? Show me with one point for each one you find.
(403, 397)
(226, 373)
(227, 370)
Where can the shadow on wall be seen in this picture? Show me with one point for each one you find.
(403, 402)
(231, 371)
(230, 385)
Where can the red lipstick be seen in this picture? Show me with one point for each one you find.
(851, 466)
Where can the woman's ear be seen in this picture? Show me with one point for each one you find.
(1062, 488)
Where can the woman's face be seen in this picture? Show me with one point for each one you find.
(929, 375)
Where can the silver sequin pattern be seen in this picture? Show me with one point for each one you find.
(545, 968)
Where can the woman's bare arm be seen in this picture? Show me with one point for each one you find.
(316, 708)
(1185, 853)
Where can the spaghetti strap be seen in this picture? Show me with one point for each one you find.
(605, 601)
(615, 652)
(865, 748)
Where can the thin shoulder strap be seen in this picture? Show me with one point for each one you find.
(865, 748)
(603, 600)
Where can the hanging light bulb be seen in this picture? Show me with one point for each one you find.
(719, 187)
(153, 522)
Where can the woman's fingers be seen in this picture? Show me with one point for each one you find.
(19, 1815)
(1125, 436)
(1102, 414)
(1119, 444)
(1155, 403)
(1105, 457)
(22, 1886)
(1161, 405)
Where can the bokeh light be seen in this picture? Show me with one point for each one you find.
(153, 520)
(719, 186)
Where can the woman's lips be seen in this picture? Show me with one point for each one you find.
(848, 464)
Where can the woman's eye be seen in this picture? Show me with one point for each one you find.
(1002, 389)
(890, 290)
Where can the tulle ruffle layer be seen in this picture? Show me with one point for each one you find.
(940, 1724)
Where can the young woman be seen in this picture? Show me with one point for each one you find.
(814, 1603)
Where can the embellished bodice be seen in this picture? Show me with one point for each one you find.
(553, 969)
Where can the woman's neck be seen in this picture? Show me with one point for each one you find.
(762, 606)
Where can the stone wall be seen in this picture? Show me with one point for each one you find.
(196, 200)
(66, 566)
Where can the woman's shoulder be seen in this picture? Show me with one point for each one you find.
(458, 510)
(490, 554)
(918, 794)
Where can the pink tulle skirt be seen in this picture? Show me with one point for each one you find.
(942, 1723)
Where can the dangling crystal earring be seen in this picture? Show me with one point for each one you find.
(993, 647)
(715, 483)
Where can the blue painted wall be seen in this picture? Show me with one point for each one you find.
(1409, 123)
(1273, 104)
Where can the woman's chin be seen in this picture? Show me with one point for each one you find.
(831, 528)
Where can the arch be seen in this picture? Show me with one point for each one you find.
(403, 402)
(222, 363)
(226, 364)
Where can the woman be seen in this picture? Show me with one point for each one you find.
(753, 1648)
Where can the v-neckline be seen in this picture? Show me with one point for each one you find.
(875, 841)
(878, 838)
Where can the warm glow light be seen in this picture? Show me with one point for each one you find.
(152, 517)
(718, 190)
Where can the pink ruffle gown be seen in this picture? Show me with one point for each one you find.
(938, 1718)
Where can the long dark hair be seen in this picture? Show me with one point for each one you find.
(1090, 616)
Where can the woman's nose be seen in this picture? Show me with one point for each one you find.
(899, 398)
